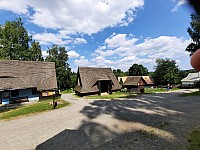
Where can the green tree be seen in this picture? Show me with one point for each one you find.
(184, 73)
(35, 52)
(137, 70)
(119, 73)
(60, 57)
(16, 44)
(194, 32)
(73, 77)
(166, 72)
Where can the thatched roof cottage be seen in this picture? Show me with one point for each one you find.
(92, 80)
(26, 80)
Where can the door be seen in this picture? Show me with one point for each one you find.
(106, 86)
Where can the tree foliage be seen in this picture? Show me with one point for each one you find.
(137, 70)
(119, 73)
(73, 77)
(184, 73)
(16, 44)
(194, 32)
(60, 57)
(166, 72)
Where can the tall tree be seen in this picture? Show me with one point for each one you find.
(60, 57)
(166, 72)
(119, 73)
(137, 70)
(35, 52)
(194, 32)
(16, 44)
(73, 77)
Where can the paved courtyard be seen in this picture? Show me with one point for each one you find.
(151, 121)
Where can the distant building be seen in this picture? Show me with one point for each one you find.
(134, 83)
(26, 80)
(149, 81)
(190, 79)
(92, 80)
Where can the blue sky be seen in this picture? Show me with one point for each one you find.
(107, 33)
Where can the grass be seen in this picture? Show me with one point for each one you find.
(112, 96)
(68, 91)
(29, 109)
(157, 90)
(124, 94)
(194, 140)
(154, 90)
(197, 93)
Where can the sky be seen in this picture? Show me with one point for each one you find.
(107, 33)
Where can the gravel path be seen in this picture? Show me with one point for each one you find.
(154, 121)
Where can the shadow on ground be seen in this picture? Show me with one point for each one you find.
(164, 118)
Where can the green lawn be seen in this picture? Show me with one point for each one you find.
(154, 90)
(125, 94)
(29, 109)
(68, 91)
(157, 90)
(194, 140)
(112, 96)
(191, 94)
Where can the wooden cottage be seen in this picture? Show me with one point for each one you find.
(134, 83)
(26, 80)
(96, 81)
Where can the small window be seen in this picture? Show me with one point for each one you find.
(34, 91)
(15, 93)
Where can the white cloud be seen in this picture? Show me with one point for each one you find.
(76, 16)
(72, 54)
(121, 51)
(50, 38)
(164, 46)
(44, 54)
(179, 3)
(115, 41)
(80, 41)
(16, 6)
(82, 62)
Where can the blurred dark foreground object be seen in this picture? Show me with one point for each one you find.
(195, 59)
(195, 4)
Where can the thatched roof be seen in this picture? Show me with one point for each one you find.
(88, 76)
(132, 80)
(148, 80)
(15, 74)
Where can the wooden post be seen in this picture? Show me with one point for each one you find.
(54, 103)
(99, 87)
(110, 87)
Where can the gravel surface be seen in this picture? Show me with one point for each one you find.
(153, 121)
